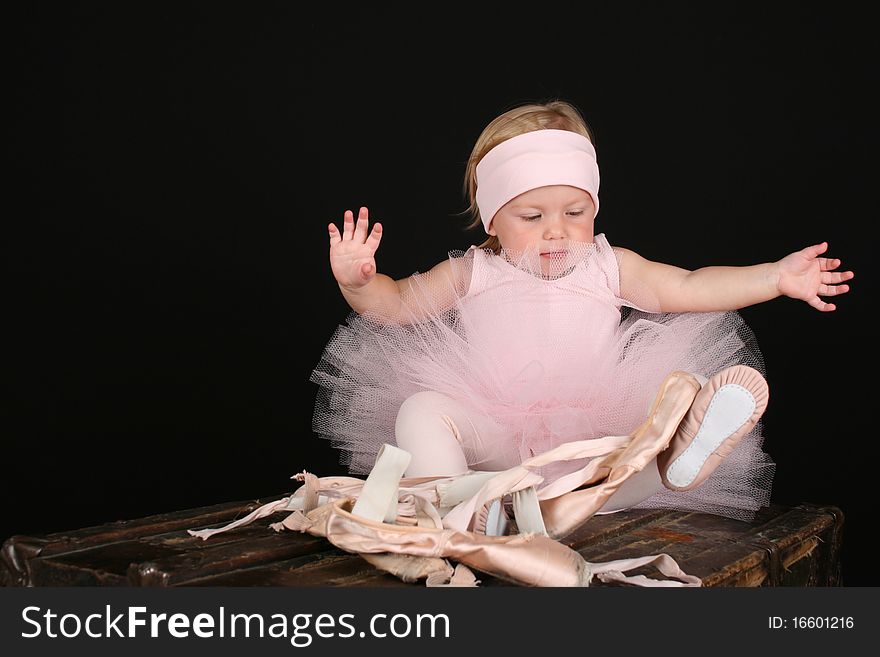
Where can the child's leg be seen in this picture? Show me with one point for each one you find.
(641, 485)
(727, 407)
(434, 429)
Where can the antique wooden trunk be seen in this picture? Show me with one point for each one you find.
(783, 546)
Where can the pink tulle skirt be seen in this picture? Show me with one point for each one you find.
(543, 355)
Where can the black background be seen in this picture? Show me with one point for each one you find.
(175, 167)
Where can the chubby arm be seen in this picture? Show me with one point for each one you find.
(352, 260)
(658, 287)
(403, 301)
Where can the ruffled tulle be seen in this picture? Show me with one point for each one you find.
(544, 345)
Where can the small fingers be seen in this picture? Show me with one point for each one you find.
(815, 250)
(335, 237)
(363, 221)
(820, 305)
(833, 290)
(829, 264)
(836, 277)
(347, 225)
(375, 237)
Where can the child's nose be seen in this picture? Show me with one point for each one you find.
(553, 227)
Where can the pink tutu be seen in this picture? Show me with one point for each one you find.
(549, 350)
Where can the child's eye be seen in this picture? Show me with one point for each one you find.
(576, 213)
(531, 217)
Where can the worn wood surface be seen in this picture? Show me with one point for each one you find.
(783, 546)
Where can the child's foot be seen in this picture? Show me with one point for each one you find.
(726, 408)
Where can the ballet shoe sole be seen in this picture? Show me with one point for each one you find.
(725, 410)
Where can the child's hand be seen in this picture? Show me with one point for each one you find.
(351, 254)
(804, 275)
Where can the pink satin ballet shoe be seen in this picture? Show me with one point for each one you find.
(674, 400)
(724, 410)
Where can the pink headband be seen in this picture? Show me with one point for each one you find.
(531, 160)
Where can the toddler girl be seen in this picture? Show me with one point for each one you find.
(546, 334)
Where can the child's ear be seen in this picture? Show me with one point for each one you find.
(491, 230)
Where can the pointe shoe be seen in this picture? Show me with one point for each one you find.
(563, 514)
(726, 408)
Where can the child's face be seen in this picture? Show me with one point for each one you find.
(545, 218)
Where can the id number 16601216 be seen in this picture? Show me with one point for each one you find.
(811, 623)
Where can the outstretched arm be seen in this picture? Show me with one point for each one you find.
(663, 288)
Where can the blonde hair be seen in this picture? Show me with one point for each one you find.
(551, 115)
